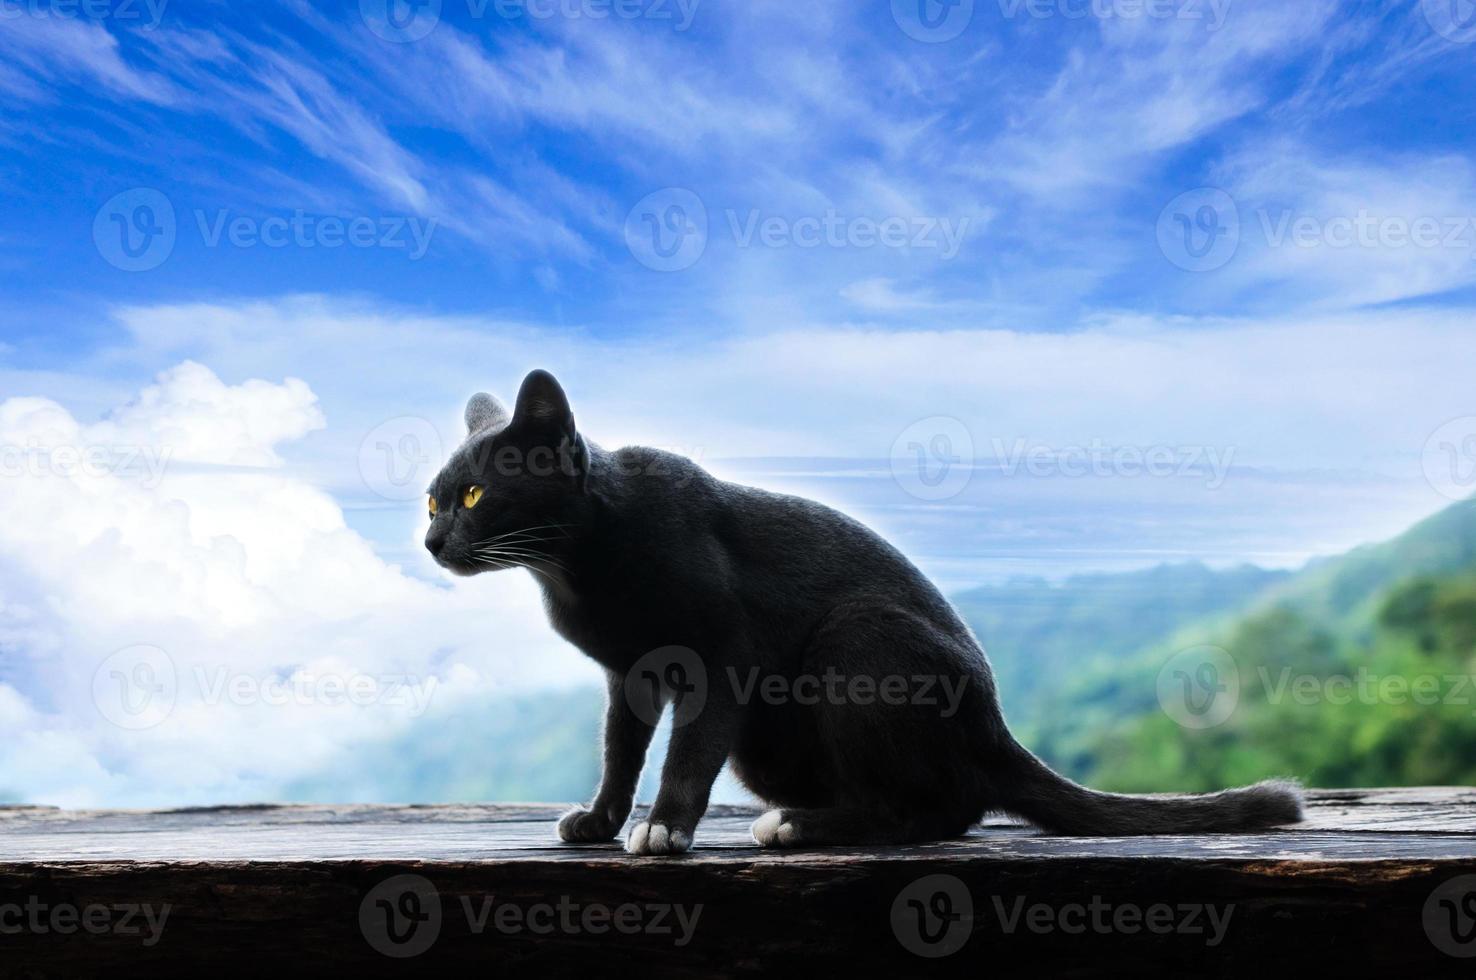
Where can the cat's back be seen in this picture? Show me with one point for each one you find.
(654, 484)
(761, 532)
(785, 558)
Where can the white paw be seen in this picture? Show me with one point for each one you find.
(656, 838)
(770, 830)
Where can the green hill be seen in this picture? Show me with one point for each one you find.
(1340, 590)
(1038, 633)
(1357, 671)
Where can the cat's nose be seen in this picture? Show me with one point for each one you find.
(435, 539)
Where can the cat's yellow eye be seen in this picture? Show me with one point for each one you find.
(431, 503)
(472, 498)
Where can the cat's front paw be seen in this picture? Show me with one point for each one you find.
(657, 838)
(587, 827)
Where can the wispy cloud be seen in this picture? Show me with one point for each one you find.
(56, 49)
(1148, 88)
(1319, 230)
(1056, 141)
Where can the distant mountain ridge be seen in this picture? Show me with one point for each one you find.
(1440, 545)
(1036, 631)
(1397, 613)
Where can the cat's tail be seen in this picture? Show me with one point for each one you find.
(1032, 790)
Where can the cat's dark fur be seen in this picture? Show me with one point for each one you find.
(639, 550)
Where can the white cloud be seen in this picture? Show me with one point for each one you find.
(243, 575)
(1152, 86)
(594, 81)
(882, 296)
(1384, 379)
(56, 48)
(1347, 232)
(299, 99)
(195, 418)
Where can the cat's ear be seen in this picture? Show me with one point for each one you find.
(543, 407)
(484, 412)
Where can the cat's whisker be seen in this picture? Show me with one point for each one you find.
(528, 530)
(512, 549)
(525, 559)
(515, 542)
(532, 568)
(520, 548)
(527, 556)
(520, 541)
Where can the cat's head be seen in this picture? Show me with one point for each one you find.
(510, 494)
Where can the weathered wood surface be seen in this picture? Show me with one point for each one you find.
(1370, 883)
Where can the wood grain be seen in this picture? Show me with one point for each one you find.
(283, 887)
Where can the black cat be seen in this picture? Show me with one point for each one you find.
(793, 640)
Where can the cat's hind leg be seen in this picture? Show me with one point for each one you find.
(900, 718)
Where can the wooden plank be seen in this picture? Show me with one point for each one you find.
(1369, 823)
(284, 888)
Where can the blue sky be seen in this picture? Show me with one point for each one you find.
(1032, 286)
(1052, 133)
(483, 180)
